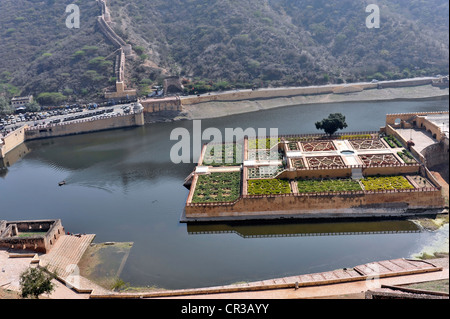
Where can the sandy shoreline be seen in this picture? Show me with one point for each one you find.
(214, 109)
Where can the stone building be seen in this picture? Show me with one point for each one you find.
(21, 101)
(35, 235)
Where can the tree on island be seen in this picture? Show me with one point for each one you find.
(36, 281)
(331, 124)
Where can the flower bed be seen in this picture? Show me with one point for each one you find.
(379, 159)
(327, 185)
(367, 144)
(421, 182)
(217, 187)
(297, 163)
(392, 141)
(318, 146)
(356, 136)
(325, 161)
(407, 157)
(262, 143)
(227, 155)
(268, 187)
(293, 146)
(377, 183)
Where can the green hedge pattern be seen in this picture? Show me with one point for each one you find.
(327, 185)
(386, 183)
(268, 187)
(392, 141)
(217, 187)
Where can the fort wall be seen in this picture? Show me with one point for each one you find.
(124, 50)
(12, 140)
(158, 105)
(404, 83)
(85, 126)
(320, 205)
(406, 120)
(434, 154)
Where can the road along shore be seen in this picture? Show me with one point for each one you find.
(220, 105)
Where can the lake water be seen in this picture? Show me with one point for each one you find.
(122, 186)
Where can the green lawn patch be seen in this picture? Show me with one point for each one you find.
(386, 183)
(355, 137)
(327, 185)
(268, 187)
(31, 234)
(406, 157)
(217, 187)
(262, 143)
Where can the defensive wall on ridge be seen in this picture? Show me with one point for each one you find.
(124, 50)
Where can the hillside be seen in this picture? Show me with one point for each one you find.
(220, 43)
(289, 42)
(40, 54)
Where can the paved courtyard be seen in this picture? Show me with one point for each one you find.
(421, 138)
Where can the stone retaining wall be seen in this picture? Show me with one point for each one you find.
(312, 90)
(42, 244)
(12, 140)
(84, 126)
(321, 205)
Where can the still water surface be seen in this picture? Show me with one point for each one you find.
(122, 186)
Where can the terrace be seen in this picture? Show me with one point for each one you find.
(217, 187)
(361, 165)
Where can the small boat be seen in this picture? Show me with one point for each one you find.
(62, 183)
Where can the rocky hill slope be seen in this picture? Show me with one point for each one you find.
(218, 44)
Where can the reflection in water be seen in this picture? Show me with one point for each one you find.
(282, 229)
(12, 157)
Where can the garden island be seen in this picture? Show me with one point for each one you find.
(310, 176)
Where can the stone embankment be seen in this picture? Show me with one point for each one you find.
(242, 101)
(26, 133)
(378, 270)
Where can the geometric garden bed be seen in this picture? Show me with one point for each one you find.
(377, 183)
(217, 187)
(324, 161)
(379, 159)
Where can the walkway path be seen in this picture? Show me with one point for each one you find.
(66, 254)
(362, 273)
(64, 258)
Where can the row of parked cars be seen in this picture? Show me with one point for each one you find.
(88, 114)
(74, 112)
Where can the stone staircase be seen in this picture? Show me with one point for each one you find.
(357, 174)
(66, 254)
